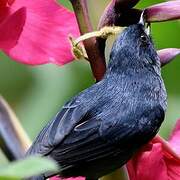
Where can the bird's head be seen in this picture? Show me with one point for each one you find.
(133, 47)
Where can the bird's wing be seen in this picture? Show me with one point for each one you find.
(86, 147)
(86, 143)
(97, 139)
(58, 128)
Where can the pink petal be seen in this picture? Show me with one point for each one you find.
(55, 178)
(58, 178)
(164, 11)
(173, 168)
(3, 3)
(44, 38)
(11, 28)
(9, 2)
(77, 178)
(148, 164)
(166, 55)
(174, 139)
(157, 160)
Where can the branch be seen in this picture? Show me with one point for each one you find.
(13, 139)
(96, 58)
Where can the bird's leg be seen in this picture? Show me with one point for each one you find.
(105, 32)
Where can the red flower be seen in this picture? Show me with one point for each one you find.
(158, 159)
(58, 178)
(36, 31)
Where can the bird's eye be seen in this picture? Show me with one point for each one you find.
(144, 38)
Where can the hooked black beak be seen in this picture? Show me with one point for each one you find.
(147, 26)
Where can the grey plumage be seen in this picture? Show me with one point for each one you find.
(101, 128)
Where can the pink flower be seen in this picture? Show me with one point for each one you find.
(36, 31)
(166, 55)
(158, 159)
(58, 178)
(164, 11)
(8, 22)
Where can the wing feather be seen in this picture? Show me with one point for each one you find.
(58, 128)
(95, 139)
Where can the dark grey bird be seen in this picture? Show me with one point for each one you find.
(101, 128)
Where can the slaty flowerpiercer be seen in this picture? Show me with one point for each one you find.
(101, 128)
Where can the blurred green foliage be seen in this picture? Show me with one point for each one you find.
(37, 93)
(28, 167)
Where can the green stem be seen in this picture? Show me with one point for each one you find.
(102, 33)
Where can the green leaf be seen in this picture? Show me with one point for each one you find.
(27, 167)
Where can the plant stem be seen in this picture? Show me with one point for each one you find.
(96, 58)
(102, 33)
(13, 139)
